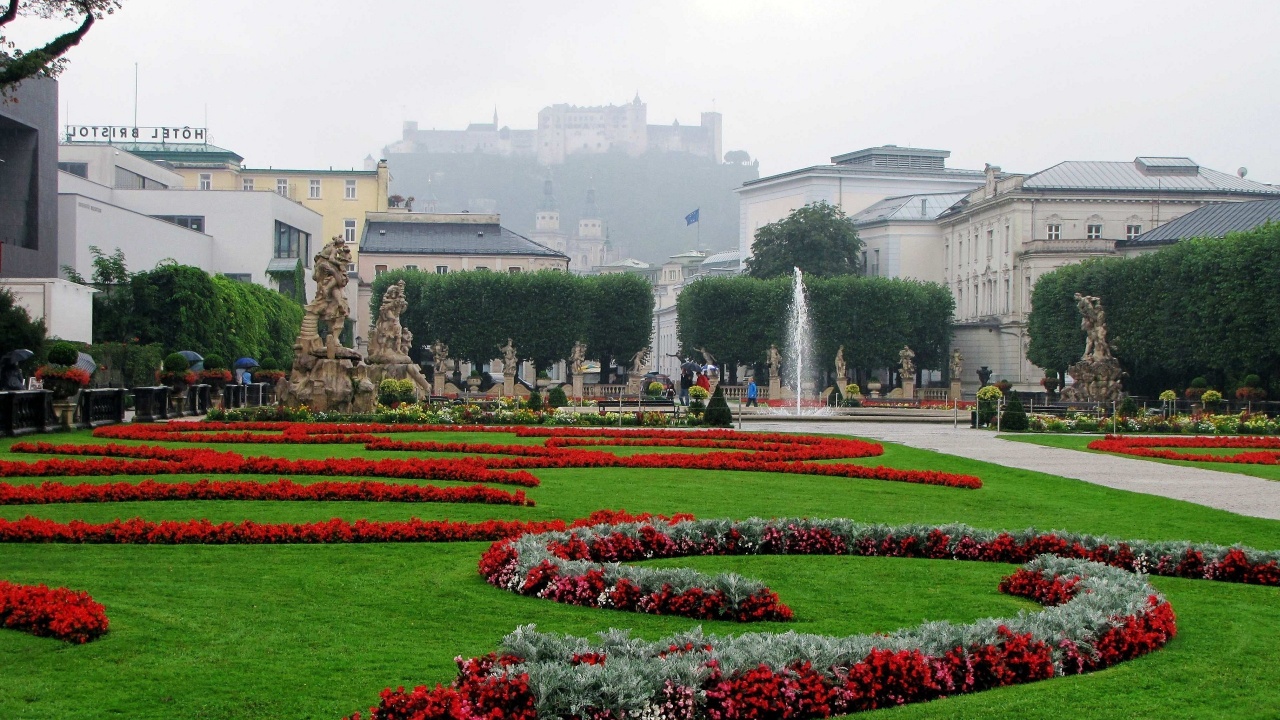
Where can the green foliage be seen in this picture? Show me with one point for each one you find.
(392, 392)
(17, 330)
(534, 402)
(1252, 380)
(1202, 306)
(817, 238)
(269, 363)
(1211, 398)
(1199, 382)
(718, 414)
(697, 392)
(988, 401)
(619, 317)
(655, 389)
(556, 397)
(1128, 407)
(64, 353)
(129, 364)
(737, 318)
(173, 362)
(214, 362)
(1014, 417)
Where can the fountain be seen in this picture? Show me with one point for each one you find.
(798, 354)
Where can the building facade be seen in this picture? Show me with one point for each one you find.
(900, 236)
(29, 181)
(588, 248)
(563, 130)
(852, 182)
(1001, 237)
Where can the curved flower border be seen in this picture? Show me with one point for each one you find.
(70, 615)
(1266, 450)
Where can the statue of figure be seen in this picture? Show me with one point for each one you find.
(907, 358)
(840, 368)
(386, 341)
(440, 355)
(577, 357)
(639, 361)
(707, 358)
(1093, 320)
(957, 364)
(773, 360)
(330, 303)
(406, 341)
(509, 360)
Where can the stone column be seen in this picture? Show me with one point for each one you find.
(508, 382)
(775, 387)
(577, 386)
(909, 388)
(955, 389)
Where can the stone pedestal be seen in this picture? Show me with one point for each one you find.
(577, 386)
(954, 393)
(438, 383)
(1096, 381)
(326, 387)
(909, 389)
(508, 384)
(775, 388)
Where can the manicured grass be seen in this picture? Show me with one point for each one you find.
(317, 631)
(1081, 442)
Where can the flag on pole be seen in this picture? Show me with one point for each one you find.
(691, 218)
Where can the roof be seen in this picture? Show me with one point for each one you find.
(627, 263)
(864, 168)
(728, 256)
(922, 206)
(283, 171)
(178, 153)
(434, 236)
(1144, 173)
(894, 156)
(1213, 221)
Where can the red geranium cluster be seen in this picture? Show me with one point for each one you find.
(69, 615)
(282, 489)
(1267, 449)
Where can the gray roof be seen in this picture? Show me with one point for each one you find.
(448, 238)
(1213, 221)
(923, 206)
(1171, 175)
(728, 256)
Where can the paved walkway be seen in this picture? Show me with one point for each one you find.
(1243, 494)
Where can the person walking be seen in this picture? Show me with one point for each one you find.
(686, 382)
(753, 393)
(704, 382)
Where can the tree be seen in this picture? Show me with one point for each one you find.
(46, 60)
(737, 157)
(17, 330)
(733, 318)
(619, 317)
(817, 238)
(552, 316)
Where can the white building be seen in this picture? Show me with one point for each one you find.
(900, 236)
(1000, 238)
(112, 199)
(65, 307)
(852, 182)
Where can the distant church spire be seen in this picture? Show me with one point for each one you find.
(591, 211)
(548, 194)
(495, 117)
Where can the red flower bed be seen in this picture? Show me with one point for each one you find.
(282, 489)
(1267, 449)
(188, 532)
(69, 615)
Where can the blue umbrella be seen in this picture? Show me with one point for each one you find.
(245, 363)
(194, 359)
(85, 362)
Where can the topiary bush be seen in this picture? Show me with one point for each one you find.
(1128, 407)
(718, 414)
(655, 389)
(1015, 416)
(534, 402)
(556, 397)
(269, 363)
(66, 353)
(215, 362)
(988, 400)
(174, 363)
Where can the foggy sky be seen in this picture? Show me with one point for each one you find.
(1023, 85)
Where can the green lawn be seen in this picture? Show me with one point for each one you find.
(1081, 442)
(318, 631)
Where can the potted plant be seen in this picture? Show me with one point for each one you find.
(1198, 387)
(988, 402)
(873, 385)
(268, 372)
(1212, 399)
(474, 379)
(176, 373)
(63, 379)
(215, 374)
(654, 389)
(1051, 383)
(1251, 390)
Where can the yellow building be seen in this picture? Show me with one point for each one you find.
(341, 197)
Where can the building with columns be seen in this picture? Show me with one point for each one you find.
(1000, 238)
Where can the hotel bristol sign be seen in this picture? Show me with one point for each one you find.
(124, 133)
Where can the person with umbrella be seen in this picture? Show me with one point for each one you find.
(686, 382)
(10, 373)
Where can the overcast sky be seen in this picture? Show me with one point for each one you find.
(1023, 85)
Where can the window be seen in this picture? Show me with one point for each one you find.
(350, 190)
(287, 284)
(1093, 232)
(1132, 231)
(315, 190)
(379, 269)
(482, 267)
(206, 181)
(442, 269)
(239, 277)
(1008, 237)
(349, 230)
(291, 242)
(191, 222)
(282, 186)
(875, 263)
(514, 270)
(865, 266)
(75, 168)
(246, 184)
(1008, 294)
(1053, 231)
(130, 180)
(991, 243)
(410, 267)
(960, 253)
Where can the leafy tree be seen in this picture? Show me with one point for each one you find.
(45, 60)
(619, 317)
(737, 157)
(816, 238)
(733, 318)
(551, 315)
(17, 330)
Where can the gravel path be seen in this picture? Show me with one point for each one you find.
(1243, 494)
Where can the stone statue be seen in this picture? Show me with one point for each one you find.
(639, 361)
(1097, 376)
(773, 360)
(323, 376)
(957, 364)
(840, 369)
(577, 357)
(1093, 320)
(509, 360)
(440, 355)
(707, 358)
(907, 359)
(387, 340)
(330, 303)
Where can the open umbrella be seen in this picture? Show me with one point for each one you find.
(85, 362)
(194, 359)
(244, 363)
(17, 356)
(691, 366)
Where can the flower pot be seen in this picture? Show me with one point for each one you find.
(874, 386)
(65, 410)
(474, 382)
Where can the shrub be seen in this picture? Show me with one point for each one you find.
(1252, 381)
(696, 405)
(1128, 407)
(556, 397)
(655, 388)
(1015, 416)
(393, 392)
(1168, 396)
(534, 402)
(1199, 382)
(697, 392)
(215, 362)
(988, 399)
(175, 363)
(717, 413)
(1211, 398)
(852, 390)
(65, 353)
(269, 363)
